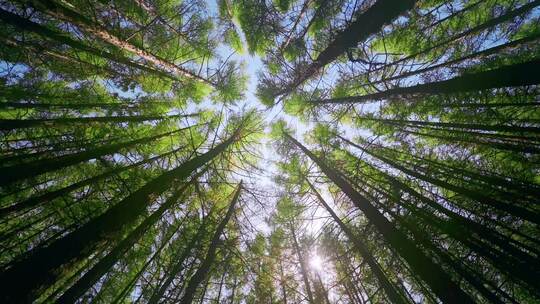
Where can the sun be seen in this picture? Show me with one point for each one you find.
(316, 262)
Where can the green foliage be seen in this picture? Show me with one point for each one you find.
(454, 170)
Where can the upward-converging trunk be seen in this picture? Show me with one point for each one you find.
(302, 261)
(366, 24)
(59, 11)
(105, 263)
(392, 292)
(49, 196)
(517, 211)
(521, 74)
(203, 270)
(432, 274)
(458, 126)
(42, 266)
(477, 55)
(486, 25)
(13, 124)
(81, 106)
(27, 25)
(19, 172)
(178, 263)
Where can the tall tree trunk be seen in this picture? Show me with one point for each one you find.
(302, 261)
(42, 266)
(135, 278)
(477, 140)
(61, 12)
(19, 172)
(105, 263)
(463, 236)
(392, 292)
(27, 25)
(49, 196)
(438, 280)
(80, 106)
(203, 270)
(194, 245)
(477, 55)
(488, 178)
(517, 211)
(282, 282)
(452, 15)
(456, 126)
(366, 24)
(520, 74)
(486, 25)
(285, 43)
(15, 124)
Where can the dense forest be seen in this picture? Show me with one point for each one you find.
(270, 151)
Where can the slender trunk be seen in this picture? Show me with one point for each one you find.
(233, 290)
(27, 25)
(282, 282)
(48, 264)
(80, 106)
(477, 55)
(320, 10)
(15, 124)
(36, 49)
(105, 264)
(465, 225)
(366, 24)
(520, 74)
(483, 179)
(293, 29)
(302, 261)
(218, 297)
(61, 12)
(486, 25)
(471, 194)
(49, 196)
(137, 275)
(456, 126)
(507, 263)
(439, 281)
(492, 179)
(392, 292)
(19, 172)
(323, 293)
(193, 245)
(482, 141)
(203, 270)
(452, 15)
(492, 105)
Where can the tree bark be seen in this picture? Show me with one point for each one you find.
(194, 244)
(105, 263)
(49, 196)
(488, 24)
(27, 25)
(41, 267)
(16, 173)
(477, 55)
(521, 74)
(366, 24)
(15, 124)
(392, 292)
(432, 274)
(203, 270)
(61, 12)
(517, 211)
(302, 261)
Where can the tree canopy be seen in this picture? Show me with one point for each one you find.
(310, 151)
